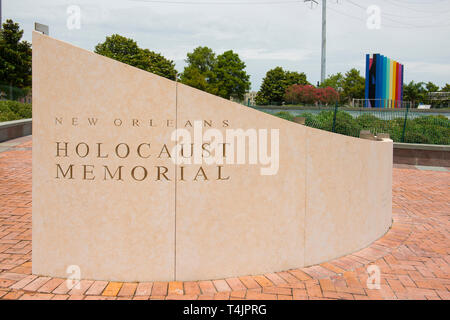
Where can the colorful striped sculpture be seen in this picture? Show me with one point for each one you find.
(384, 82)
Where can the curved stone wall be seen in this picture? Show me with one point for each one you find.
(109, 198)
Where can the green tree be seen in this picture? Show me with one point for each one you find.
(223, 75)
(15, 57)
(446, 88)
(272, 88)
(334, 81)
(293, 77)
(199, 72)
(127, 51)
(121, 49)
(158, 64)
(275, 84)
(353, 86)
(414, 92)
(431, 87)
(231, 78)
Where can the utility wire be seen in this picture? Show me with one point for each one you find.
(409, 8)
(401, 24)
(384, 24)
(429, 14)
(221, 2)
(405, 24)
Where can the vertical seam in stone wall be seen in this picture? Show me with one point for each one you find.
(176, 161)
(306, 194)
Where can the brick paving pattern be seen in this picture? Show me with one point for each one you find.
(413, 256)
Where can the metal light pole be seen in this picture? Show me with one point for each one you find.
(0, 14)
(324, 41)
(323, 68)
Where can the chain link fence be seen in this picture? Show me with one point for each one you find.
(9, 92)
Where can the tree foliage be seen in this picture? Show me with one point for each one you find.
(199, 72)
(414, 92)
(223, 75)
(231, 78)
(272, 88)
(446, 88)
(353, 86)
(275, 84)
(14, 110)
(15, 57)
(431, 87)
(127, 51)
(308, 94)
(334, 81)
(293, 77)
(156, 63)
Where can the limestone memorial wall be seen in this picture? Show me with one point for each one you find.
(126, 186)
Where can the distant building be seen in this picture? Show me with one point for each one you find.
(248, 96)
(439, 99)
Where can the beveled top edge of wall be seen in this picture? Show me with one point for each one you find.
(7, 124)
(426, 147)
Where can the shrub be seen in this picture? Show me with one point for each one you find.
(285, 115)
(310, 120)
(308, 94)
(345, 123)
(368, 121)
(13, 110)
(328, 95)
(428, 129)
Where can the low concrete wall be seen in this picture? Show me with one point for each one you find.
(422, 154)
(14, 129)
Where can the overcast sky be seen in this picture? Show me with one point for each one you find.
(265, 33)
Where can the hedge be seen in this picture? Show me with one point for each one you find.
(13, 110)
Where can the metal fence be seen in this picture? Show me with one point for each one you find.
(8, 92)
(384, 103)
(403, 125)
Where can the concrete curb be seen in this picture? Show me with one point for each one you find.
(15, 129)
(422, 154)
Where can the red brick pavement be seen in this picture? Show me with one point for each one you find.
(413, 256)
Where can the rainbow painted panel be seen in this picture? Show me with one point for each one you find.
(384, 82)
